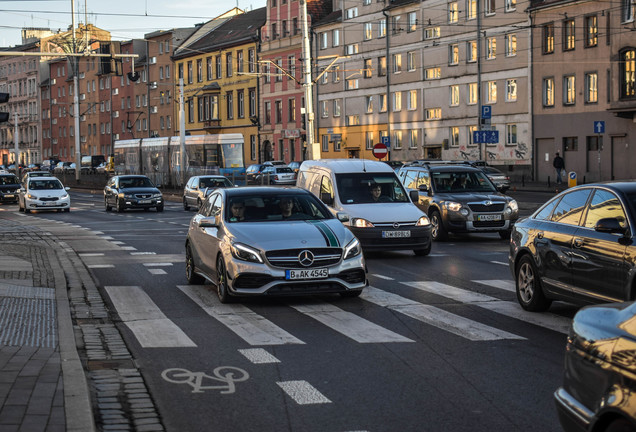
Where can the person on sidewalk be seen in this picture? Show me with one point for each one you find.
(559, 165)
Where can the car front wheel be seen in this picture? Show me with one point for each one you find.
(191, 276)
(186, 207)
(438, 232)
(221, 281)
(120, 205)
(529, 292)
(160, 208)
(106, 205)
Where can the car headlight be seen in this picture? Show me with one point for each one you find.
(452, 206)
(31, 196)
(352, 249)
(423, 221)
(245, 253)
(64, 196)
(128, 196)
(156, 195)
(361, 223)
(512, 204)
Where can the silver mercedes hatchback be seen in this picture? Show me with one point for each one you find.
(272, 241)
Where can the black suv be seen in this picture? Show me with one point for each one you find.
(9, 187)
(459, 198)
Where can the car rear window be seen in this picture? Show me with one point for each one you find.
(284, 170)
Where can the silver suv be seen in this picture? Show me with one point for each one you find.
(459, 198)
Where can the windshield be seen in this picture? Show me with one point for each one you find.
(134, 182)
(461, 181)
(8, 180)
(214, 183)
(369, 188)
(45, 184)
(269, 208)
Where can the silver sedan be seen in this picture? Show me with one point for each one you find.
(272, 241)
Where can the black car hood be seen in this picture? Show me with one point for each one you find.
(472, 196)
(11, 188)
(140, 190)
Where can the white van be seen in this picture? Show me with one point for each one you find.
(380, 213)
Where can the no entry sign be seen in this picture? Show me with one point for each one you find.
(380, 151)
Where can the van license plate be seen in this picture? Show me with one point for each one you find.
(494, 217)
(317, 273)
(396, 234)
(145, 201)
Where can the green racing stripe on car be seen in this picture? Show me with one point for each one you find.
(326, 232)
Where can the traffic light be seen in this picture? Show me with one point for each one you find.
(4, 116)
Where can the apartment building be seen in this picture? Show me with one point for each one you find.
(282, 130)
(219, 67)
(584, 63)
(419, 73)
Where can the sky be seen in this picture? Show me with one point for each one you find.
(125, 19)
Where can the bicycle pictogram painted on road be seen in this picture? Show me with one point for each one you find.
(224, 374)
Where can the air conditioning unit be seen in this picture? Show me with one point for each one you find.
(81, 75)
(54, 140)
(116, 114)
(54, 102)
(153, 60)
(83, 118)
(54, 121)
(82, 96)
(116, 136)
(153, 85)
(115, 92)
(83, 139)
(153, 110)
(53, 81)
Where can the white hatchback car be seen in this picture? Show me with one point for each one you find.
(44, 193)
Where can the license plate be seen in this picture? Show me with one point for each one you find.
(144, 201)
(49, 204)
(494, 217)
(396, 234)
(317, 273)
(9, 196)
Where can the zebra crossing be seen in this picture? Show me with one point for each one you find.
(153, 328)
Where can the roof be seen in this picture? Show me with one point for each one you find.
(264, 191)
(335, 16)
(398, 3)
(348, 165)
(318, 9)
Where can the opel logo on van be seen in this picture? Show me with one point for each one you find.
(396, 225)
(306, 258)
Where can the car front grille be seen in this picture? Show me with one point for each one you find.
(481, 208)
(304, 288)
(288, 258)
(143, 196)
(252, 280)
(489, 224)
(49, 199)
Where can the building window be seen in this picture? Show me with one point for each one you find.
(591, 31)
(381, 66)
(268, 112)
(397, 101)
(548, 92)
(591, 87)
(511, 134)
(351, 13)
(432, 33)
(511, 5)
(381, 28)
(568, 35)
(279, 74)
(278, 111)
(336, 145)
(491, 48)
(352, 49)
(267, 73)
(325, 143)
(368, 140)
(511, 44)
(472, 93)
(335, 38)
(628, 74)
(570, 143)
(453, 133)
(471, 9)
(411, 101)
(410, 61)
(471, 129)
(251, 61)
(454, 95)
(453, 54)
(489, 7)
(190, 77)
(413, 139)
(397, 63)
(412, 22)
(352, 84)
(383, 102)
(352, 120)
(208, 68)
(397, 140)
(240, 96)
(252, 93)
(432, 73)
(395, 24)
(433, 113)
(336, 107)
(291, 110)
(324, 43)
(453, 12)
(491, 92)
(229, 99)
(239, 61)
(511, 90)
(291, 62)
(228, 64)
(594, 142)
(471, 51)
(219, 72)
(369, 104)
(324, 111)
(548, 38)
(368, 31)
(253, 147)
(627, 10)
(368, 68)
(569, 90)
(335, 74)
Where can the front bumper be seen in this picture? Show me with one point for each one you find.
(142, 203)
(252, 279)
(573, 416)
(383, 238)
(455, 222)
(9, 197)
(33, 204)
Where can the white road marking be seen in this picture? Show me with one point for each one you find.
(157, 271)
(382, 276)
(251, 327)
(144, 318)
(458, 325)
(143, 253)
(349, 324)
(98, 266)
(258, 356)
(97, 232)
(500, 263)
(91, 254)
(498, 283)
(159, 264)
(437, 255)
(510, 309)
(106, 238)
(302, 392)
(118, 242)
(129, 248)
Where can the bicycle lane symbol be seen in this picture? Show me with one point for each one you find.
(222, 374)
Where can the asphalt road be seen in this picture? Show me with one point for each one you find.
(435, 343)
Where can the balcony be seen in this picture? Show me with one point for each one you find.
(212, 124)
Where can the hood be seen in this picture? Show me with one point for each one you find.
(138, 190)
(9, 188)
(49, 193)
(466, 197)
(291, 234)
(384, 212)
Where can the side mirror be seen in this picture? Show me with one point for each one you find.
(208, 223)
(414, 195)
(158, 185)
(342, 217)
(326, 198)
(67, 188)
(609, 225)
(423, 188)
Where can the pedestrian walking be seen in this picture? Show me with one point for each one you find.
(559, 166)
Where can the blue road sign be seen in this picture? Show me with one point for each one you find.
(486, 137)
(486, 111)
(599, 127)
(386, 141)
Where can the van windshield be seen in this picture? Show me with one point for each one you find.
(369, 188)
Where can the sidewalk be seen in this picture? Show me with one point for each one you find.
(49, 380)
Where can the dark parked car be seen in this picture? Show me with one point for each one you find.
(600, 372)
(9, 187)
(500, 180)
(578, 247)
(251, 172)
(459, 198)
(132, 191)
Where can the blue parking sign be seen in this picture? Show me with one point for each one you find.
(486, 111)
(386, 141)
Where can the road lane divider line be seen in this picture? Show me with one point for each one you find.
(157, 271)
(128, 248)
(258, 356)
(444, 320)
(143, 253)
(158, 264)
(348, 324)
(500, 263)
(302, 392)
(98, 266)
(506, 285)
(246, 324)
(510, 309)
(381, 276)
(144, 318)
(91, 254)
